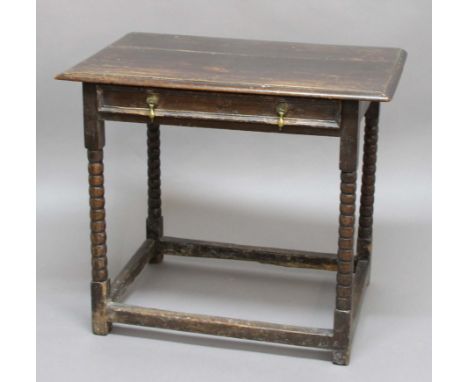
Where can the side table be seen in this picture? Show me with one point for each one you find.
(276, 87)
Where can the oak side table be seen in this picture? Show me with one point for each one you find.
(274, 87)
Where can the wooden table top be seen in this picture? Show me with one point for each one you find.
(245, 66)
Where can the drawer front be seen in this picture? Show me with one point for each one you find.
(284, 114)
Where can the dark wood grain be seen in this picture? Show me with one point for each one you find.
(289, 88)
(245, 66)
(345, 275)
(228, 251)
(154, 221)
(97, 215)
(220, 326)
(131, 270)
(369, 161)
(242, 110)
(94, 139)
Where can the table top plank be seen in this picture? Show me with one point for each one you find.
(245, 66)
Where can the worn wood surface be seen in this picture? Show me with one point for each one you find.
(94, 143)
(222, 110)
(361, 279)
(346, 321)
(97, 215)
(227, 122)
(220, 326)
(227, 251)
(237, 84)
(366, 209)
(346, 250)
(154, 221)
(245, 66)
(132, 269)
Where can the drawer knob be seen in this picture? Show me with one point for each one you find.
(152, 102)
(281, 110)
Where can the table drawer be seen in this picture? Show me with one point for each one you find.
(284, 114)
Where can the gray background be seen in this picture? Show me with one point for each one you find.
(252, 188)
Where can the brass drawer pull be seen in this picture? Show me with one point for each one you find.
(281, 109)
(152, 102)
(298, 115)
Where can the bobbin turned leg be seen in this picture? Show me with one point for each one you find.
(154, 221)
(345, 273)
(94, 142)
(366, 210)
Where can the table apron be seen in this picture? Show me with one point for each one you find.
(220, 110)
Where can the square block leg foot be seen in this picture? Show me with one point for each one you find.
(157, 257)
(99, 294)
(154, 230)
(102, 328)
(341, 357)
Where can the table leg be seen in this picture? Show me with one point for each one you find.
(345, 274)
(366, 210)
(154, 221)
(94, 142)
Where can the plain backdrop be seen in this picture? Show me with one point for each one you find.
(247, 188)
